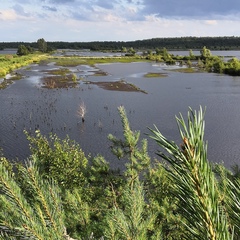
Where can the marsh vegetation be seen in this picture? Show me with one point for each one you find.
(145, 197)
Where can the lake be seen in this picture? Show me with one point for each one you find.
(27, 105)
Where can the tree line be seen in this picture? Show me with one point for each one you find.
(178, 43)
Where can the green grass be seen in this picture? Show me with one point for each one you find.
(67, 61)
(185, 70)
(75, 61)
(155, 75)
(8, 63)
(60, 71)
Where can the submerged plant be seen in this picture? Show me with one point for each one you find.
(82, 111)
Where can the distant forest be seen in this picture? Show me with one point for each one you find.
(181, 43)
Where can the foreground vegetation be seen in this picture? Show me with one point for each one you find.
(61, 193)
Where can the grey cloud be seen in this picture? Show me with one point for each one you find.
(24, 1)
(80, 16)
(53, 9)
(20, 10)
(60, 1)
(190, 8)
(85, 10)
(100, 3)
(85, 3)
(105, 4)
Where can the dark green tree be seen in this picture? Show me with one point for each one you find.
(42, 45)
(22, 50)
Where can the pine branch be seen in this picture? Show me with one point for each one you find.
(128, 147)
(195, 182)
(12, 193)
(37, 212)
(129, 220)
(233, 204)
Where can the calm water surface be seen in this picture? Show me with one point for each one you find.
(26, 105)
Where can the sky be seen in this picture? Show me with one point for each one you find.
(116, 20)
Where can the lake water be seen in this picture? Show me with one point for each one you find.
(26, 105)
(8, 51)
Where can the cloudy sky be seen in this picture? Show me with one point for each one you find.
(116, 20)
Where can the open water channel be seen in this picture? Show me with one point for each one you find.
(26, 105)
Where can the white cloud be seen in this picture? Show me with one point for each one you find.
(211, 22)
(12, 15)
(20, 10)
(116, 20)
(8, 15)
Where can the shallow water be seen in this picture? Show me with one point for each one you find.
(26, 105)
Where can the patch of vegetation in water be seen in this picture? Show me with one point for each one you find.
(67, 61)
(8, 81)
(118, 86)
(5, 82)
(102, 60)
(75, 61)
(99, 73)
(66, 81)
(15, 77)
(155, 75)
(60, 71)
(185, 70)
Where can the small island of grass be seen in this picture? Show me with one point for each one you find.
(60, 81)
(185, 70)
(120, 85)
(155, 75)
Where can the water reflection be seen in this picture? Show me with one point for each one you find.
(26, 105)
